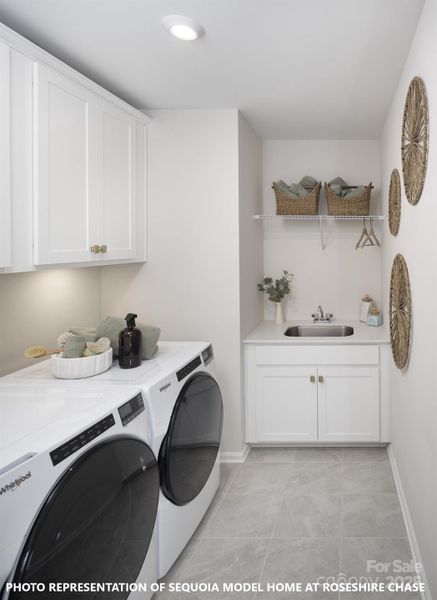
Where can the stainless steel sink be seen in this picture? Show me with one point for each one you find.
(319, 331)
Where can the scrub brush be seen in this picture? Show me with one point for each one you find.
(39, 351)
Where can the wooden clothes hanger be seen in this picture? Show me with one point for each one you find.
(367, 238)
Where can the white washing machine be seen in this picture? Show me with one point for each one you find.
(79, 490)
(186, 413)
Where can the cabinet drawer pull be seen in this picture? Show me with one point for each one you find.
(313, 378)
(104, 249)
(321, 379)
(95, 249)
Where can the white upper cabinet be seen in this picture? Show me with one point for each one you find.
(86, 196)
(5, 172)
(116, 168)
(65, 197)
(72, 165)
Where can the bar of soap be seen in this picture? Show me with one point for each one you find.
(74, 346)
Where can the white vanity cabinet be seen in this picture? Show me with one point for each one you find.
(314, 394)
(5, 184)
(86, 159)
(348, 404)
(285, 404)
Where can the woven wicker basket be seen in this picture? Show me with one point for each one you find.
(306, 205)
(348, 207)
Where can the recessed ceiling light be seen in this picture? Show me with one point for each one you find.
(182, 27)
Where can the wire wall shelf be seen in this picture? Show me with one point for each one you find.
(321, 219)
(318, 217)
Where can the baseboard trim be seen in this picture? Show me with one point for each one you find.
(235, 457)
(426, 595)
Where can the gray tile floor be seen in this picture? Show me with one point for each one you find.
(297, 514)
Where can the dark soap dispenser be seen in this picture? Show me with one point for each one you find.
(129, 344)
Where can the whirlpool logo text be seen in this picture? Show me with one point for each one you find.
(13, 485)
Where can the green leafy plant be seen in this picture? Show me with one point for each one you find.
(278, 289)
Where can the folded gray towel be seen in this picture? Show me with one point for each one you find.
(111, 327)
(354, 192)
(336, 188)
(338, 181)
(292, 191)
(308, 182)
(74, 346)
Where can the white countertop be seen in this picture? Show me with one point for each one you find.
(267, 332)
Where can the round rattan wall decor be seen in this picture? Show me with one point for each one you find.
(400, 312)
(394, 202)
(414, 146)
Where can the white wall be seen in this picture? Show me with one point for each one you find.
(251, 239)
(36, 307)
(250, 234)
(338, 276)
(190, 284)
(414, 391)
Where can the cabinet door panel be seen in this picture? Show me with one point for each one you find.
(117, 177)
(349, 404)
(5, 165)
(66, 224)
(286, 405)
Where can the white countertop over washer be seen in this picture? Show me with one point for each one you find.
(268, 332)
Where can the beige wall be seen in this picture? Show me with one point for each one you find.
(36, 307)
(414, 390)
(190, 284)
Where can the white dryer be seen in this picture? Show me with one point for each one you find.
(185, 406)
(79, 490)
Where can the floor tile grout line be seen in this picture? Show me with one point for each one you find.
(271, 540)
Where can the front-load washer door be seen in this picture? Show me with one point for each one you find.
(97, 522)
(189, 449)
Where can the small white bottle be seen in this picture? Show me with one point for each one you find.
(366, 305)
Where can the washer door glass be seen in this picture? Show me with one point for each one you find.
(189, 449)
(97, 522)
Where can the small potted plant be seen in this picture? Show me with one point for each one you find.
(276, 291)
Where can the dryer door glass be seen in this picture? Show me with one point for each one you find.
(97, 522)
(189, 450)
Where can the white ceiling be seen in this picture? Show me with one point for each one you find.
(302, 69)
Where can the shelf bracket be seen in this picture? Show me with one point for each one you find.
(322, 232)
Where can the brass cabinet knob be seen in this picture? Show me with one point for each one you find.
(321, 380)
(99, 249)
(313, 378)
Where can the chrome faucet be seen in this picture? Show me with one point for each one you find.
(320, 316)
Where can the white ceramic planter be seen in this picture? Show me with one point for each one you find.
(77, 368)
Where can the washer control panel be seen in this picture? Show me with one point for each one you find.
(185, 371)
(82, 439)
(131, 409)
(207, 355)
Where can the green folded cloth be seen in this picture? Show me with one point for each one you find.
(111, 327)
(293, 191)
(308, 182)
(336, 188)
(74, 346)
(89, 333)
(338, 181)
(354, 192)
